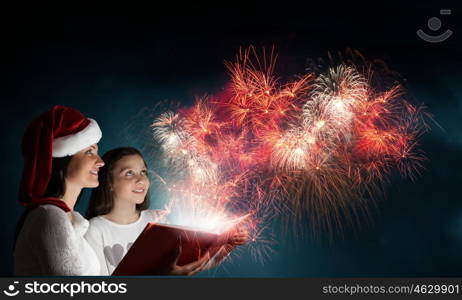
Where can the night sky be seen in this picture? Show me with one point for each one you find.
(115, 63)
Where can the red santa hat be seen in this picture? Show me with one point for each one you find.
(60, 132)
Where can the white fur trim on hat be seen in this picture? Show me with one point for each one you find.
(73, 143)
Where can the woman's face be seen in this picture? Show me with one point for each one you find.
(83, 168)
(130, 179)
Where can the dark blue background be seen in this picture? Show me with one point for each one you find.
(115, 63)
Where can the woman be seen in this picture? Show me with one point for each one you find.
(60, 159)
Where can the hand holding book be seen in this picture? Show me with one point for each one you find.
(172, 267)
(177, 250)
(238, 238)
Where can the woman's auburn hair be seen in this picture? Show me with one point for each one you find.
(102, 198)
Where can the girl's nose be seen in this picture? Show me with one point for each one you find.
(140, 178)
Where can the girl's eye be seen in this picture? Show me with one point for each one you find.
(89, 151)
(144, 172)
(129, 173)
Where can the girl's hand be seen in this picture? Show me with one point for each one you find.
(186, 270)
(240, 237)
(161, 215)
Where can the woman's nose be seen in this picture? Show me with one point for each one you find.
(99, 162)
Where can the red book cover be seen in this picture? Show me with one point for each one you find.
(157, 242)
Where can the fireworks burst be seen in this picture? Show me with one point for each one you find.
(318, 147)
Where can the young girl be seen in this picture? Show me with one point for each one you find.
(119, 212)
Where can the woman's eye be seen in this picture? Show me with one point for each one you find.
(144, 172)
(89, 151)
(129, 173)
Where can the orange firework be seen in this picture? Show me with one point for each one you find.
(257, 101)
(316, 148)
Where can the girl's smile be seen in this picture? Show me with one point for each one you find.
(139, 191)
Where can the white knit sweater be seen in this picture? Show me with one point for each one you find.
(49, 244)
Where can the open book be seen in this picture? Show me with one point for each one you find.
(157, 242)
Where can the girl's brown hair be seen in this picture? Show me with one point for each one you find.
(102, 198)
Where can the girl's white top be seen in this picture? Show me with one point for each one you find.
(111, 241)
(50, 244)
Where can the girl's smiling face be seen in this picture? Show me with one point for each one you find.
(130, 180)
